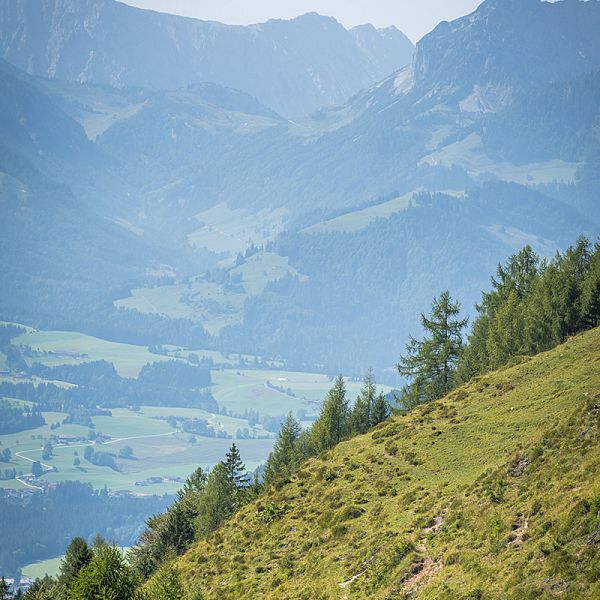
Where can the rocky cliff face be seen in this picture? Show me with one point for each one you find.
(292, 66)
(506, 44)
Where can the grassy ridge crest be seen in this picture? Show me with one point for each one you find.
(491, 492)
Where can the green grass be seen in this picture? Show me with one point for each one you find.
(239, 390)
(213, 305)
(127, 358)
(361, 219)
(489, 493)
(468, 153)
(230, 231)
(43, 567)
(158, 449)
(67, 347)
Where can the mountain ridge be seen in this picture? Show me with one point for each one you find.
(457, 499)
(103, 41)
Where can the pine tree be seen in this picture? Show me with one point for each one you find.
(505, 335)
(431, 363)
(332, 425)
(362, 413)
(590, 300)
(285, 455)
(194, 484)
(77, 556)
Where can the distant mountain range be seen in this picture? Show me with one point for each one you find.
(351, 218)
(294, 67)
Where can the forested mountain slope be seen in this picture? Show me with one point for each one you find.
(487, 142)
(489, 493)
(292, 66)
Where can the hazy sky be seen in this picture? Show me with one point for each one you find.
(414, 17)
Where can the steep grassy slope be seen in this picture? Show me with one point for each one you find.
(492, 492)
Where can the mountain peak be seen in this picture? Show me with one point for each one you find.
(294, 67)
(508, 43)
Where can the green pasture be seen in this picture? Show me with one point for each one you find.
(246, 389)
(158, 449)
(213, 305)
(230, 231)
(469, 154)
(69, 347)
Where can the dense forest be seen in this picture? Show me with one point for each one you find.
(41, 525)
(14, 419)
(533, 305)
(98, 385)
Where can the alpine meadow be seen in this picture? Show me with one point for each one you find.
(299, 309)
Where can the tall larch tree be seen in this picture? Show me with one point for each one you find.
(430, 363)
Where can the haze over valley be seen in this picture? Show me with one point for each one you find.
(210, 230)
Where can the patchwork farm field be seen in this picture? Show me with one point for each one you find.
(214, 305)
(69, 347)
(164, 448)
(158, 450)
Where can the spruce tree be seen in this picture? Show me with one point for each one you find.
(218, 500)
(381, 410)
(590, 300)
(506, 331)
(236, 468)
(4, 590)
(77, 556)
(362, 413)
(194, 484)
(165, 584)
(106, 576)
(332, 425)
(285, 455)
(430, 363)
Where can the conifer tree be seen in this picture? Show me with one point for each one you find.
(236, 468)
(332, 425)
(36, 469)
(4, 590)
(430, 363)
(165, 584)
(46, 589)
(77, 556)
(590, 296)
(194, 484)
(362, 413)
(218, 500)
(106, 576)
(285, 455)
(381, 410)
(505, 334)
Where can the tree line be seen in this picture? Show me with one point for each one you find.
(99, 385)
(204, 503)
(14, 418)
(533, 305)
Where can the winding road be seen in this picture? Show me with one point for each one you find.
(47, 468)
